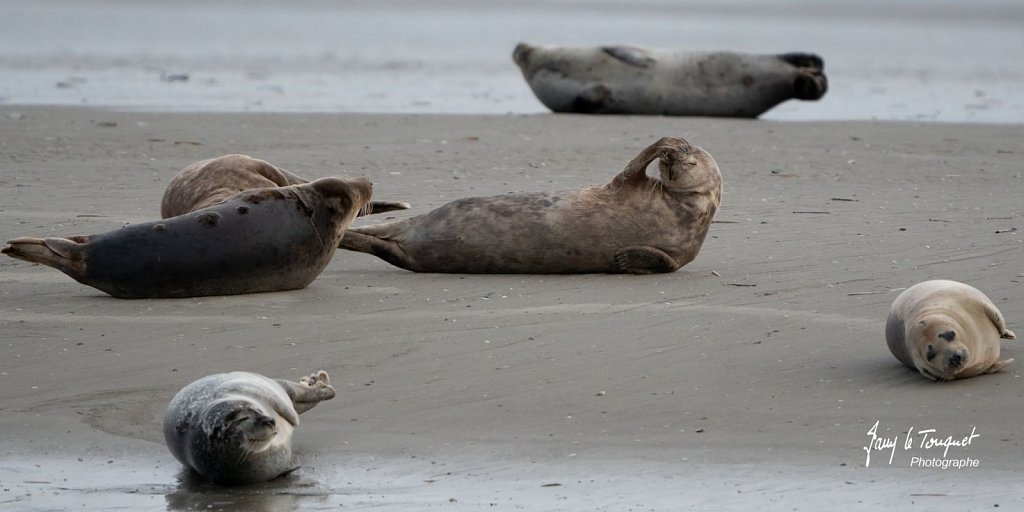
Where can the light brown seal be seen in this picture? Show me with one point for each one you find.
(259, 240)
(236, 428)
(208, 182)
(647, 81)
(634, 224)
(946, 330)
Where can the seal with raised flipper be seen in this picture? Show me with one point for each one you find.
(208, 182)
(634, 224)
(946, 330)
(236, 428)
(649, 81)
(259, 240)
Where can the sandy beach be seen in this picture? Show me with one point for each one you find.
(748, 379)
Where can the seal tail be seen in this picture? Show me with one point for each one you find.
(60, 253)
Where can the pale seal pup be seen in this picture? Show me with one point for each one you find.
(236, 428)
(260, 240)
(634, 224)
(208, 182)
(946, 330)
(642, 81)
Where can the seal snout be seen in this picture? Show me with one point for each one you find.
(955, 360)
(521, 54)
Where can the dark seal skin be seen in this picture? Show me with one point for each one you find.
(648, 81)
(635, 224)
(236, 428)
(208, 182)
(260, 240)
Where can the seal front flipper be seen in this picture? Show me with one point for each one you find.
(644, 260)
(999, 365)
(636, 168)
(630, 55)
(64, 254)
(592, 100)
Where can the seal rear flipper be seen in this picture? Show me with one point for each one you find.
(309, 391)
(644, 260)
(63, 254)
(387, 250)
(383, 206)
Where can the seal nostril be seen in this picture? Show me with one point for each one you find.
(955, 361)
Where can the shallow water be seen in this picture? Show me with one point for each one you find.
(358, 483)
(947, 60)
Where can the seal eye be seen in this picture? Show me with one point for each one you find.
(931, 353)
(948, 336)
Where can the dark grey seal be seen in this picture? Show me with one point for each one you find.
(260, 240)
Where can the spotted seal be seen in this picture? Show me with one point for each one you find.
(208, 182)
(259, 240)
(647, 81)
(236, 428)
(634, 224)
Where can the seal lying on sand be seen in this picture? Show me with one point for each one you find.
(630, 80)
(634, 224)
(260, 240)
(946, 330)
(208, 182)
(236, 428)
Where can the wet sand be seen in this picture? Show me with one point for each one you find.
(748, 379)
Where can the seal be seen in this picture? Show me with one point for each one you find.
(208, 182)
(260, 240)
(647, 81)
(236, 428)
(634, 224)
(946, 330)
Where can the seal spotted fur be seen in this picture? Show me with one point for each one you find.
(236, 428)
(634, 224)
(631, 80)
(259, 240)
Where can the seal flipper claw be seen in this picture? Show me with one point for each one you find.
(644, 260)
(1008, 335)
